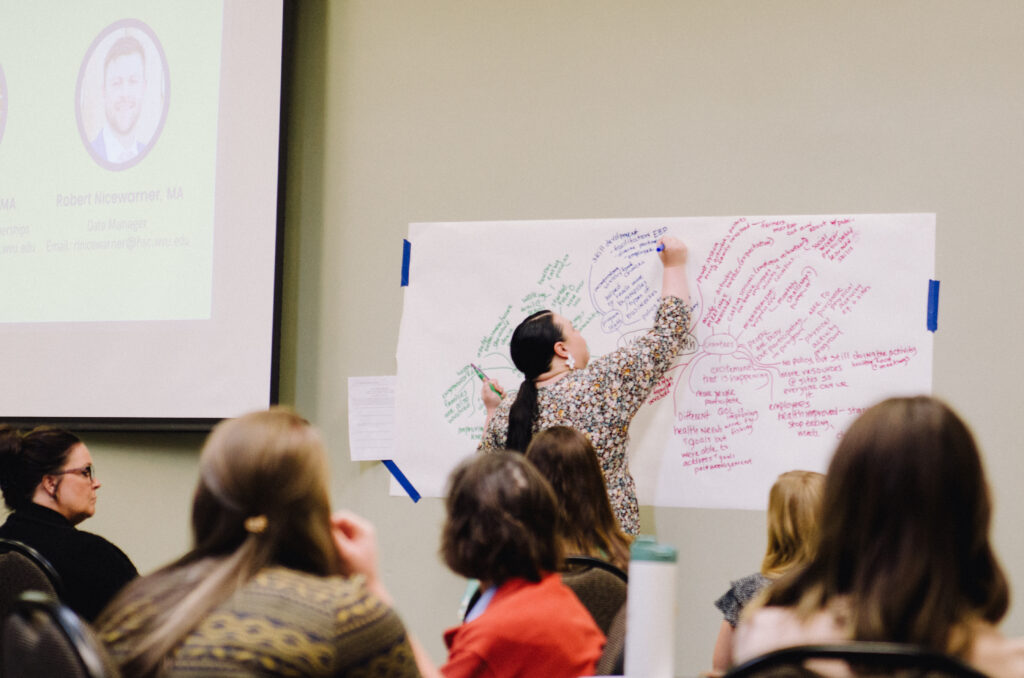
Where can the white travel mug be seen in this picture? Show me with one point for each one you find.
(650, 610)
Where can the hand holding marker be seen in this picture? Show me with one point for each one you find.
(483, 377)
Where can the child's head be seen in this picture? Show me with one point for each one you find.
(793, 505)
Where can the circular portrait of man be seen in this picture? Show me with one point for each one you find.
(123, 94)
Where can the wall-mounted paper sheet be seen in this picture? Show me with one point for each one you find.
(371, 418)
(800, 322)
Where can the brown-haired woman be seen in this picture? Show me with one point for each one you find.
(502, 529)
(904, 552)
(262, 591)
(49, 481)
(567, 460)
(793, 506)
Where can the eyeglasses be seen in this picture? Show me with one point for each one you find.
(87, 472)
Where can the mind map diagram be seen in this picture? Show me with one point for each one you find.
(797, 325)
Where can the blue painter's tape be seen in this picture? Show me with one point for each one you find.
(933, 305)
(406, 253)
(402, 480)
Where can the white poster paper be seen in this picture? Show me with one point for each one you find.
(799, 323)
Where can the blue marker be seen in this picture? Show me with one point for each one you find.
(660, 248)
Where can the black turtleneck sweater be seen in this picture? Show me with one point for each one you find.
(92, 570)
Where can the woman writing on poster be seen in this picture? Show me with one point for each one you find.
(564, 387)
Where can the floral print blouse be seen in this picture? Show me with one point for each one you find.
(602, 398)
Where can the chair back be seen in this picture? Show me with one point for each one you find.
(42, 638)
(612, 661)
(600, 590)
(854, 659)
(580, 562)
(22, 568)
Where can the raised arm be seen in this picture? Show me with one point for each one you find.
(673, 278)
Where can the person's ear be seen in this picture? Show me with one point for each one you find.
(561, 350)
(50, 485)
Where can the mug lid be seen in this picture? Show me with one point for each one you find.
(646, 548)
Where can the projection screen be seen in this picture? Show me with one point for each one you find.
(139, 162)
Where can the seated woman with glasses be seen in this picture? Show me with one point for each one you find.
(48, 481)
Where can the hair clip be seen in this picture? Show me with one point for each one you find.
(256, 524)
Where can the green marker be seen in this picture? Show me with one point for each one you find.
(483, 377)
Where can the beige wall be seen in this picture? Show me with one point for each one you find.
(422, 110)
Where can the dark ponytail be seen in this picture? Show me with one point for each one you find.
(25, 457)
(532, 348)
(521, 416)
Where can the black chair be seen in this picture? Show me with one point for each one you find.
(572, 562)
(42, 638)
(599, 585)
(22, 568)
(856, 658)
(613, 656)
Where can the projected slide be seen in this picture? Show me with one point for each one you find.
(138, 209)
(108, 152)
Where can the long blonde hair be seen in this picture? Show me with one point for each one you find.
(793, 506)
(261, 500)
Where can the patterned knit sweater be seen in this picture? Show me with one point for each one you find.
(281, 623)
